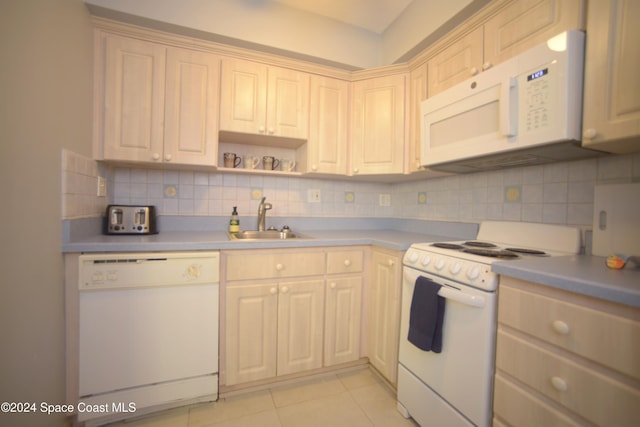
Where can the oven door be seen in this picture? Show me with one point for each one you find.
(440, 387)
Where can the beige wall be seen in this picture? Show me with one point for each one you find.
(45, 106)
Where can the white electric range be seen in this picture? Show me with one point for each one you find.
(452, 384)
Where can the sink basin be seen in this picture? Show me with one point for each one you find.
(264, 235)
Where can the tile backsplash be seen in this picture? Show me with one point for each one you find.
(80, 186)
(558, 193)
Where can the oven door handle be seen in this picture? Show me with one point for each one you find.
(461, 297)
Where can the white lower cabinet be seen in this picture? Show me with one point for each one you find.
(564, 359)
(384, 312)
(300, 316)
(302, 313)
(251, 332)
(342, 320)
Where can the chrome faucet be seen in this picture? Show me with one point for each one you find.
(262, 213)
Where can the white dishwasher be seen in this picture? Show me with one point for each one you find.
(148, 331)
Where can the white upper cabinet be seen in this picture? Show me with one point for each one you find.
(458, 62)
(417, 94)
(133, 94)
(156, 103)
(328, 126)
(191, 107)
(378, 125)
(611, 116)
(261, 100)
(517, 27)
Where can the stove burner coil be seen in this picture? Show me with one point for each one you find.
(447, 246)
(478, 244)
(492, 253)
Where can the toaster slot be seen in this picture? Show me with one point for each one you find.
(140, 217)
(116, 216)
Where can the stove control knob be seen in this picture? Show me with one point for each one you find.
(440, 264)
(413, 257)
(473, 273)
(426, 260)
(455, 268)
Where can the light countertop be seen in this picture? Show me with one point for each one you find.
(582, 274)
(219, 240)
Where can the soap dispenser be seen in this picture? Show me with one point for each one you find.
(234, 224)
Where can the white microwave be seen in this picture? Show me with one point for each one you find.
(527, 110)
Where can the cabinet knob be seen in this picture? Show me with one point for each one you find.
(560, 327)
(156, 156)
(559, 384)
(332, 285)
(279, 267)
(391, 263)
(314, 167)
(168, 157)
(347, 262)
(271, 131)
(356, 170)
(261, 129)
(273, 291)
(284, 289)
(473, 71)
(486, 66)
(589, 133)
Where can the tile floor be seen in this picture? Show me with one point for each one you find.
(350, 399)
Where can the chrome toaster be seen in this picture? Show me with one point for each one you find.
(126, 219)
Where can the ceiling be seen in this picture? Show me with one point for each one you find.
(348, 34)
(372, 15)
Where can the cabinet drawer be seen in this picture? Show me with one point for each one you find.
(518, 408)
(248, 266)
(344, 262)
(602, 337)
(600, 399)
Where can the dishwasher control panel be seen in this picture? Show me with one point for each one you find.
(135, 270)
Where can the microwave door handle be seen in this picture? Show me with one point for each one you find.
(461, 297)
(508, 106)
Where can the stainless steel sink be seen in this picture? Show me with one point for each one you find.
(264, 235)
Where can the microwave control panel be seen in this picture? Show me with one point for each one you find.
(536, 91)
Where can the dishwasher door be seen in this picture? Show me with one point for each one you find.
(148, 327)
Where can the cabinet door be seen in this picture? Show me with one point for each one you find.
(611, 120)
(384, 321)
(191, 112)
(288, 103)
(378, 126)
(251, 332)
(134, 83)
(417, 94)
(342, 320)
(327, 146)
(456, 63)
(300, 315)
(526, 23)
(243, 96)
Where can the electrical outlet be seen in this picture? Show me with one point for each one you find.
(313, 196)
(384, 199)
(102, 187)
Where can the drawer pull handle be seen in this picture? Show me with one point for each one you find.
(347, 262)
(279, 267)
(561, 327)
(285, 289)
(559, 384)
(273, 291)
